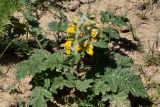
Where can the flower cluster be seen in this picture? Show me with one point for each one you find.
(82, 32)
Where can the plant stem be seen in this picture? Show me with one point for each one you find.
(7, 48)
(39, 44)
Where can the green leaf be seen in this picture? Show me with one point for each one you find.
(73, 59)
(59, 83)
(47, 83)
(119, 100)
(112, 33)
(57, 26)
(7, 7)
(100, 87)
(42, 60)
(123, 61)
(86, 102)
(35, 64)
(20, 104)
(82, 39)
(100, 44)
(122, 79)
(39, 96)
(83, 85)
(57, 62)
(29, 17)
(70, 76)
(47, 94)
(105, 97)
(110, 17)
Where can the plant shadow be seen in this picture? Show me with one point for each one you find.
(125, 44)
(140, 102)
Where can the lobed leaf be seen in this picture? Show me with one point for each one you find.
(110, 17)
(119, 100)
(100, 44)
(42, 60)
(38, 97)
(57, 62)
(123, 61)
(59, 83)
(112, 33)
(57, 26)
(83, 85)
(35, 64)
(100, 87)
(122, 79)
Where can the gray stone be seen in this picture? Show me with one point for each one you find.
(73, 5)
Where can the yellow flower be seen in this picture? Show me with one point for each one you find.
(89, 50)
(71, 24)
(78, 48)
(68, 51)
(71, 28)
(67, 47)
(94, 33)
(68, 44)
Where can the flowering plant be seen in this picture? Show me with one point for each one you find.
(85, 72)
(82, 32)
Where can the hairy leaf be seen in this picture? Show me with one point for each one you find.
(73, 59)
(100, 87)
(83, 85)
(47, 83)
(34, 65)
(57, 61)
(59, 83)
(119, 100)
(87, 102)
(39, 96)
(124, 61)
(110, 17)
(123, 79)
(112, 33)
(40, 61)
(57, 26)
(100, 44)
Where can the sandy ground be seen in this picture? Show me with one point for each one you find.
(147, 30)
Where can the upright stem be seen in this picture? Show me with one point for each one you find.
(79, 64)
(39, 44)
(6, 48)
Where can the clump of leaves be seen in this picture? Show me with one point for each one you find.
(153, 56)
(12, 40)
(7, 7)
(86, 73)
(152, 59)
